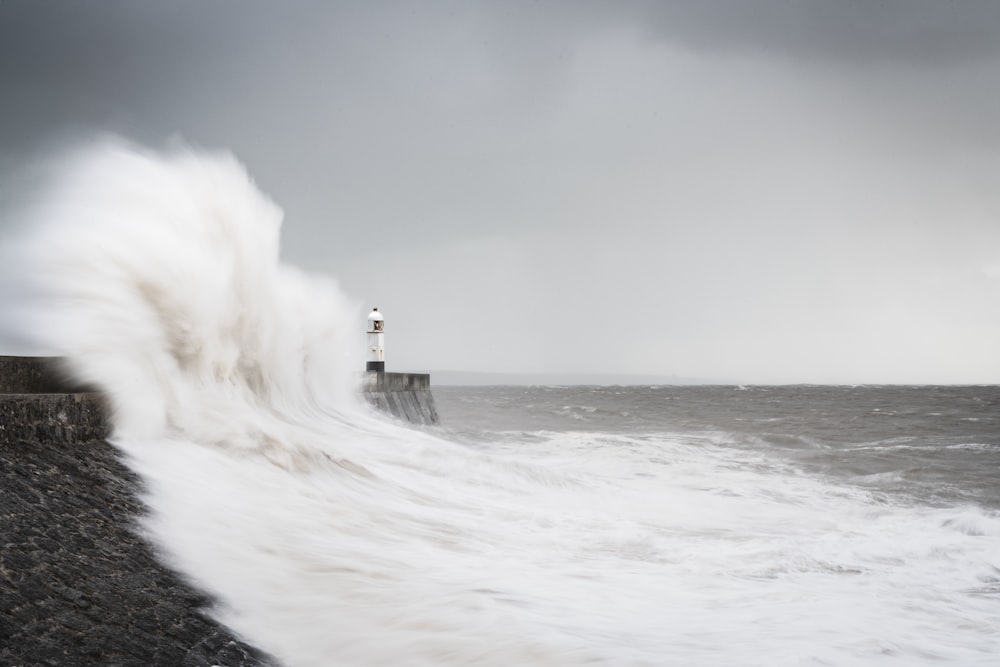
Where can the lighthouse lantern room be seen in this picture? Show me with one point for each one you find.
(376, 342)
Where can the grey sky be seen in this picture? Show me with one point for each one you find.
(753, 190)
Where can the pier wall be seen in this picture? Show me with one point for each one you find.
(406, 396)
(38, 403)
(78, 584)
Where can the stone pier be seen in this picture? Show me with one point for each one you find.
(406, 396)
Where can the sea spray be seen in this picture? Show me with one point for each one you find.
(158, 277)
(331, 537)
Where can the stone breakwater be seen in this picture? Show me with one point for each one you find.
(78, 584)
(39, 404)
(406, 396)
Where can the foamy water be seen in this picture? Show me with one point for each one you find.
(330, 536)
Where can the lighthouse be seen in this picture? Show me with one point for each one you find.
(376, 342)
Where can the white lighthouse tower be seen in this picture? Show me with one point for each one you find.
(376, 342)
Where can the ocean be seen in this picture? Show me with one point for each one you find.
(826, 525)
(935, 445)
(536, 526)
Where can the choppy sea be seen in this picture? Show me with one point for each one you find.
(827, 525)
(931, 445)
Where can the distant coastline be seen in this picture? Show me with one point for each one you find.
(475, 378)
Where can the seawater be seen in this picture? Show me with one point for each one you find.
(935, 445)
(539, 526)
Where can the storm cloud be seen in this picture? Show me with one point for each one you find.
(750, 191)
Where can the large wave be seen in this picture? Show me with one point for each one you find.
(330, 536)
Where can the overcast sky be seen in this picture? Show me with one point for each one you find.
(745, 190)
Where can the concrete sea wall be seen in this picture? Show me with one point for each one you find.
(78, 584)
(406, 396)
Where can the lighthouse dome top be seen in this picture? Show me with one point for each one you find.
(374, 316)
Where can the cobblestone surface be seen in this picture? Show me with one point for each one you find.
(77, 585)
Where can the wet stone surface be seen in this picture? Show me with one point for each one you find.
(36, 375)
(77, 585)
(56, 419)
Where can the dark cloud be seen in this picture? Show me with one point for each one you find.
(900, 31)
(756, 175)
(114, 41)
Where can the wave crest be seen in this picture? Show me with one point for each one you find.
(157, 276)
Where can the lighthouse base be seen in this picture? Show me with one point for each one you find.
(406, 396)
